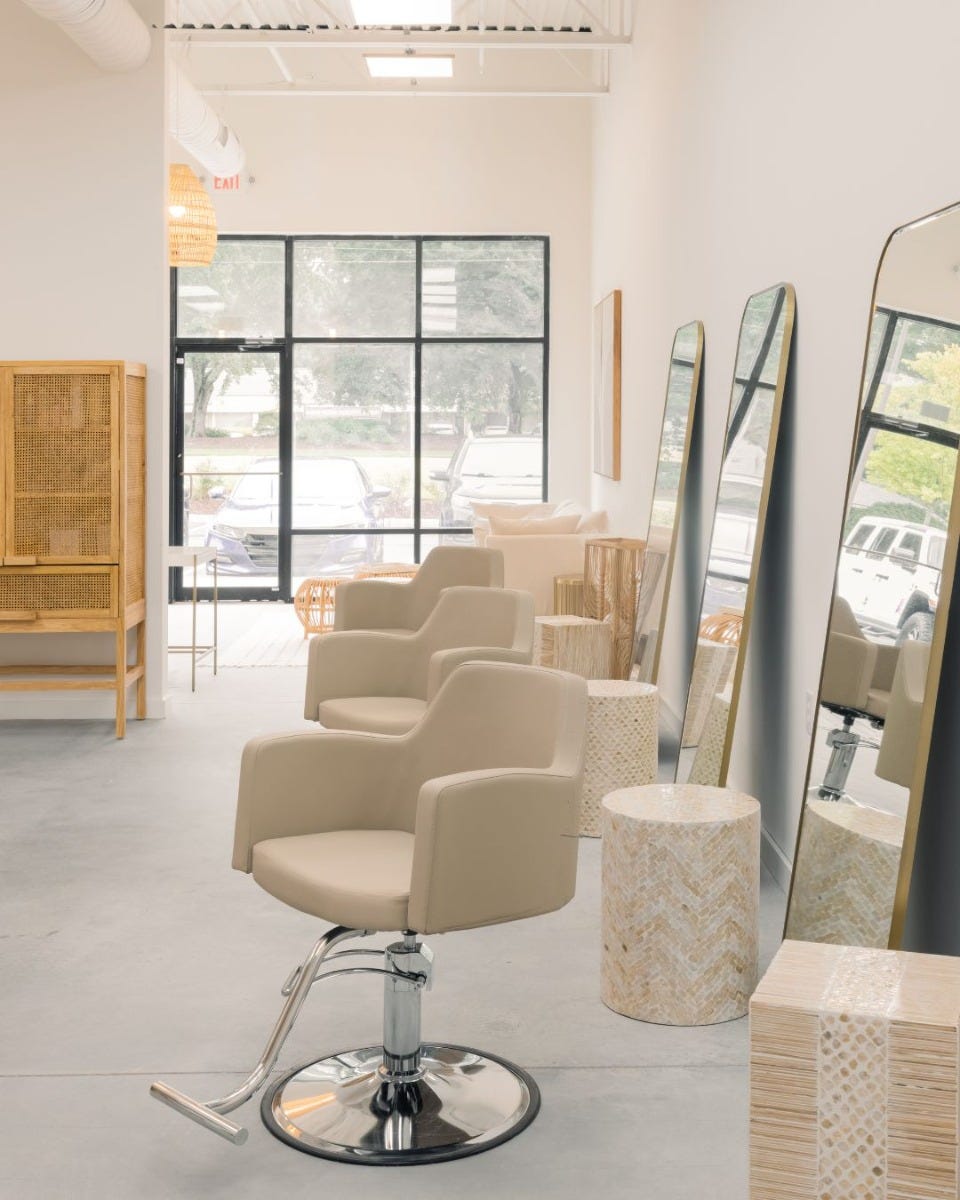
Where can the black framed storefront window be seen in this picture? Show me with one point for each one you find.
(342, 401)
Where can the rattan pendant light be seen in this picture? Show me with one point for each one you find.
(191, 221)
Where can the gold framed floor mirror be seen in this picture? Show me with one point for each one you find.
(669, 489)
(883, 655)
(698, 749)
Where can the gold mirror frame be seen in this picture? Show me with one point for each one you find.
(935, 663)
(656, 574)
(712, 768)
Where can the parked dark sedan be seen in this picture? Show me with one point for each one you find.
(329, 493)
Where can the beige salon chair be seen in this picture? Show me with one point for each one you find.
(901, 729)
(382, 682)
(468, 820)
(857, 680)
(386, 604)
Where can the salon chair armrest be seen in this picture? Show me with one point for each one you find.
(848, 670)
(493, 846)
(301, 783)
(443, 662)
(886, 667)
(359, 663)
(372, 604)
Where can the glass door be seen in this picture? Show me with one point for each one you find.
(227, 485)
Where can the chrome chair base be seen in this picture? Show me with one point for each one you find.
(345, 1108)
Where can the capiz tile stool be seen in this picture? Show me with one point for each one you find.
(853, 1075)
(621, 743)
(680, 903)
(575, 644)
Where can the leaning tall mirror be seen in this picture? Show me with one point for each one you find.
(882, 660)
(653, 592)
(753, 422)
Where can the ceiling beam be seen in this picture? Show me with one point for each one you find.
(294, 91)
(387, 39)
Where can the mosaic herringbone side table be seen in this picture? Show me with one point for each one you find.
(680, 907)
(621, 743)
(854, 1075)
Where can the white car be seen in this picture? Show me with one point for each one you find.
(890, 575)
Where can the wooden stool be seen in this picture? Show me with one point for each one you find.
(611, 569)
(314, 604)
(681, 899)
(621, 743)
(574, 644)
(387, 571)
(568, 595)
(854, 1075)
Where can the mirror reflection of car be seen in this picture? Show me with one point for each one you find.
(501, 469)
(889, 574)
(732, 544)
(328, 493)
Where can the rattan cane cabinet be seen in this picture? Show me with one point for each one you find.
(72, 548)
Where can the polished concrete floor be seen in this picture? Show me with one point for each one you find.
(129, 951)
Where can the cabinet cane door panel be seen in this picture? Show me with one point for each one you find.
(62, 472)
(52, 593)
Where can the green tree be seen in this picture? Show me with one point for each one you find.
(915, 467)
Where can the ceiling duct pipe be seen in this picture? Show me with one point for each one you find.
(115, 36)
(111, 32)
(199, 129)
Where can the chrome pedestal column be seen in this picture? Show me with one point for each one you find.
(404, 1102)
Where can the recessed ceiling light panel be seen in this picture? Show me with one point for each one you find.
(402, 12)
(410, 66)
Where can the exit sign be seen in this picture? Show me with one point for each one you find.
(226, 183)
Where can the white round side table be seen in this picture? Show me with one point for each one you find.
(621, 743)
(680, 903)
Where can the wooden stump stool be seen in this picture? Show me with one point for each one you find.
(681, 898)
(621, 743)
(574, 644)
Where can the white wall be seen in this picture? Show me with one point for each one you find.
(84, 275)
(428, 165)
(745, 143)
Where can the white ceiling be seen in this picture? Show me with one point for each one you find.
(288, 48)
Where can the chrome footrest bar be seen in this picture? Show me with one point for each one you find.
(210, 1114)
(294, 975)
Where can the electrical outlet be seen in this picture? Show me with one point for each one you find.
(811, 712)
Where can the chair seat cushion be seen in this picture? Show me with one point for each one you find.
(878, 701)
(359, 878)
(371, 714)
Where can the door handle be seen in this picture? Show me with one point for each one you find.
(20, 560)
(10, 614)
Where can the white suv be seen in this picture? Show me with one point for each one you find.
(890, 575)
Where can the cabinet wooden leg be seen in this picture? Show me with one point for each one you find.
(121, 678)
(142, 663)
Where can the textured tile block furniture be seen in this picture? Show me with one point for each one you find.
(713, 665)
(851, 860)
(680, 903)
(568, 595)
(611, 569)
(621, 743)
(854, 1075)
(574, 644)
(708, 758)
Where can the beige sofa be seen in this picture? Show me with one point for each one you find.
(532, 560)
